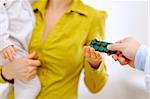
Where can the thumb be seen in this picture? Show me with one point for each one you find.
(32, 55)
(115, 47)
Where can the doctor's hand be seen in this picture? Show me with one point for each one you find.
(127, 49)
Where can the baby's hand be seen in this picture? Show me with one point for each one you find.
(9, 52)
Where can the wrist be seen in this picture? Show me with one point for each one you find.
(5, 74)
(131, 63)
(95, 65)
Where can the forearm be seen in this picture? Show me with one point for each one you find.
(95, 79)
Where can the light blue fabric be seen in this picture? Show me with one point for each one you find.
(142, 62)
(140, 58)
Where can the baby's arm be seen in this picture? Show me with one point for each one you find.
(4, 34)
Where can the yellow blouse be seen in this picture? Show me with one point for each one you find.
(61, 53)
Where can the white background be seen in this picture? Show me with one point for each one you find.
(125, 18)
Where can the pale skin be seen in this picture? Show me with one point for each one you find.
(27, 67)
(128, 48)
(23, 68)
(9, 52)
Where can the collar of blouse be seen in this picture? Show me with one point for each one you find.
(76, 6)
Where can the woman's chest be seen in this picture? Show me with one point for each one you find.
(60, 44)
(69, 33)
(63, 45)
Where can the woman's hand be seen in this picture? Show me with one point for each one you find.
(93, 57)
(22, 69)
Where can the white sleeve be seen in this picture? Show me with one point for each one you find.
(4, 22)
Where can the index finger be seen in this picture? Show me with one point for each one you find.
(34, 62)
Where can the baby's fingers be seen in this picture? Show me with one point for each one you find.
(10, 55)
(15, 48)
(13, 51)
(5, 55)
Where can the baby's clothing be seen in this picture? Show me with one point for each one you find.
(16, 25)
